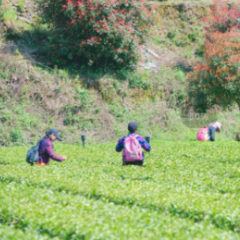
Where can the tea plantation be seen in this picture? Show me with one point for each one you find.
(187, 190)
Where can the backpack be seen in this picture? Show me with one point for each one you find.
(33, 154)
(132, 149)
(202, 134)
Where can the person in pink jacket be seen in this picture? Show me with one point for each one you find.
(208, 133)
(46, 151)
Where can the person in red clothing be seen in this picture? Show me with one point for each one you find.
(46, 152)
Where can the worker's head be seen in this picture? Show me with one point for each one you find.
(53, 134)
(218, 126)
(132, 127)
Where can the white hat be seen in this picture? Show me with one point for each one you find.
(217, 125)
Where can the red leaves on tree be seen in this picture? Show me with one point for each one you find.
(223, 17)
(101, 27)
(218, 77)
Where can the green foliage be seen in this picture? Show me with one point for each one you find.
(17, 136)
(9, 14)
(136, 81)
(181, 193)
(100, 34)
(21, 5)
(15, 122)
(11, 233)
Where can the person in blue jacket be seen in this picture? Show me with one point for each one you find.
(132, 128)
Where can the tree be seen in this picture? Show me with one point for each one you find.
(96, 33)
(217, 79)
(224, 16)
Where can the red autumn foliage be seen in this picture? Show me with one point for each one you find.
(100, 33)
(217, 79)
(224, 16)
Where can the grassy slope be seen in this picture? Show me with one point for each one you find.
(183, 191)
(34, 97)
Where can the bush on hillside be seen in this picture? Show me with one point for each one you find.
(216, 80)
(97, 33)
(4, 5)
(223, 17)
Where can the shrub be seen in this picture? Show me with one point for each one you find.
(17, 136)
(9, 14)
(216, 80)
(95, 33)
(223, 16)
(4, 5)
(6, 11)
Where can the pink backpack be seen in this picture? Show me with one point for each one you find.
(132, 149)
(202, 134)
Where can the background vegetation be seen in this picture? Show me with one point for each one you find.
(99, 103)
(99, 34)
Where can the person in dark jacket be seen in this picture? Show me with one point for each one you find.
(46, 148)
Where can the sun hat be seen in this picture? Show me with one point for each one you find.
(55, 132)
(218, 125)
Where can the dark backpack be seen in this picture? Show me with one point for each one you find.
(33, 154)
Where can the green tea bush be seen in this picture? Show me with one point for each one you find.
(102, 34)
(179, 194)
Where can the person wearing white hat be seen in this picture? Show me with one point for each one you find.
(208, 133)
(212, 128)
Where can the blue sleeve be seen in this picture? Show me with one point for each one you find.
(120, 145)
(211, 133)
(144, 144)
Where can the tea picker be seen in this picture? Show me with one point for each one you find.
(131, 146)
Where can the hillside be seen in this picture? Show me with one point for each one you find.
(35, 97)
